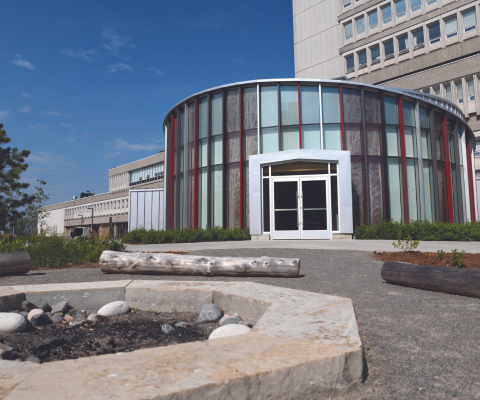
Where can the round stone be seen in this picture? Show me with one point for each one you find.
(181, 324)
(114, 308)
(61, 307)
(68, 318)
(24, 313)
(40, 320)
(209, 313)
(97, 318)
(231, 320)
(10, 323)
(167, 329)
(27, 306)
(56, 319)
(45, 307)
(229, 330)
(78, 322)
(35, 311)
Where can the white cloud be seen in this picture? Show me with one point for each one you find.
(26, 109)
(4, 114)
(156, 71)
(86, 55)
(121, 145)
(36, 127)
(114, 41)
(45, 161)
(56, 113)
(27, 95)
(22, 62)
(112, 68)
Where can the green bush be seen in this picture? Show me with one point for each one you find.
(52, 251)
(420, 230)
(215, 234)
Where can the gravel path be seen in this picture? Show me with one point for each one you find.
(418, 344)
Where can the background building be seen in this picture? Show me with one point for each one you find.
(111, 210)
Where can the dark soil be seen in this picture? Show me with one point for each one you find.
(471, 261)
(121, 333)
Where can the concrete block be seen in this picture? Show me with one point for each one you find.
(245, 307)
(264, 236)
(10, 299)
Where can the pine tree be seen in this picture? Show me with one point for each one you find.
(12, 195)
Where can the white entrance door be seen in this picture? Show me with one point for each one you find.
(300, 208)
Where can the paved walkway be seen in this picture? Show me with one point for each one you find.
(343, 244)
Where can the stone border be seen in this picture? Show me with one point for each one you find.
(305, 345)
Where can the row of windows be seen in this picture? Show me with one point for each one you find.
(116, 206)
(417, 40)
(147, 174)
(371, 19)
(445, 90)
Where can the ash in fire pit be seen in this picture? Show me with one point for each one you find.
(120, 333)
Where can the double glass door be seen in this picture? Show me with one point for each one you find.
(301, 208)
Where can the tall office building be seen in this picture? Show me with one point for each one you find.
(432, 46)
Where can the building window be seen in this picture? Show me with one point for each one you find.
(471, 90)
(459, 92)
(348, 31)
(375, 53)
(413, 185)
(437, 91)
(387, 14)
(332, 133)
(416, 5)
(216, 160)
(434, 33)
(289, 136)
(269, 119)
(401, 8)
(362, 59)
(389, 49)
(448, 92)
(360, 25)
(469, 21)
(350, 64)
(430, 2)
(427, 168)
(147, 174)
(373, 20)
(403, 47)
(418, 40)
(451, 27)
(346, 3)
(310, 117)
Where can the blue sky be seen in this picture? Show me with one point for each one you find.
(85, 85)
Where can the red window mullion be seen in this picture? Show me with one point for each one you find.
(172, 169)
(195, 169)
(344, 147)
(240, 112)
(470, 180)
(448, 170)
(404, 161)
(299, 119)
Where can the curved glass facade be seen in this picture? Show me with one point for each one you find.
(411, 153)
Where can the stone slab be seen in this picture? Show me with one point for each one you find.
(242, 367)
(85, 295)
(10, 299)
(12, 373)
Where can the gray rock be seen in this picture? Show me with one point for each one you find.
(6, 352)
(10, 323)
(2, 339)
(40, 320)
(78, 322)
(24, 313)
(167, 329)
(97, 318)
(62, 307)
(27, 306)
(35, 311)
(31, 358)
(114, 308)
(92, 312)
(229, 330)
(56, 319)
(209, 313)
(49, 315)
(58, 313)
(45, 307)
(72, 312)
(231, 320)
(68, 318)
(181, 324)
(248, 323)
(80, 314)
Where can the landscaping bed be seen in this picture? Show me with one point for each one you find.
(471, 261)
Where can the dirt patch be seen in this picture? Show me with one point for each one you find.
(471, 261)
(121, 333)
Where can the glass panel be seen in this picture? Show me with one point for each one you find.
(269, 106)
(348, 30)
(350, 63)
(217, 196)
(250, 108)
(233, 147)
(451, 26)
(426, 145)
(181, 126)
(191, 122)
(395, 189)
(375, 52)
(439, 141)
(269, 140)
(311, 137)
(310, 104)
(389, 49)
(469, 19)
(373, 113)
(191, 198)
(434, 31)
(332, 137)
(374, 142)
(217, 110)
(233, 195)
(330, 105)
(202, 198)
(290, 138)
(266, 205)
(393, 141)
(203, 117)
(424, 118)
(233, 112)
(203, 154)
(360, 25)
(181, 163)
(471, 90)
(442, 186)
(334, 202)
(391, 110)
(416, 4)
(401, 8)
(181, 202)
(217, 150)
(428, 190)
(455, 194)
(410, 142)
(373, 19)
(412, 190)
(448, 90)
(289, 105)
(353, 139)
(362, 57)
(403, 43)
(352, 108)
(299, 168)
(358, 195)
(408, 113)
(387, 14)
(375, 175)
(459, 90)
(250, 141)
(286, 206)
(314, 205)
(333, 168)
(418, 37)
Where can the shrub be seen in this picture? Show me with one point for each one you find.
(420, 230)
(457, 258)
(214, 234)
(406, 245)
(440, 254)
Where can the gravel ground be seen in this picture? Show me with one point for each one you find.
(418, 344)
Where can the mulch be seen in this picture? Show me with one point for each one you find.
(471, 261)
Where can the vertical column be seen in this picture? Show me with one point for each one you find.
(209, 161)
(470, 177)
(344, 146)
(224, 160)
(279, 112)
(420, 160)
(299, 119)
(186, 159)
(240, 135)
(385, 159)
(195, 173)
(172, 170)
(448, 169)
(458, 168)
(433, 143)
(368, 211)
(404, 162)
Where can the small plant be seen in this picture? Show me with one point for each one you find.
(457, 258)
(441, 254)
(406, 245)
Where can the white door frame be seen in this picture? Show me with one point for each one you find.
(326, 234)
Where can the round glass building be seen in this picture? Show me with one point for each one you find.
(312, 159)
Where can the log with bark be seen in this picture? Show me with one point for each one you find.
(17, 262)
(461, 281)
(112, 262)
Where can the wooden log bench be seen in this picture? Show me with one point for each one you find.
(17, 262)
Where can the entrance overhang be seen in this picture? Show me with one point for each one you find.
(342, 157)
